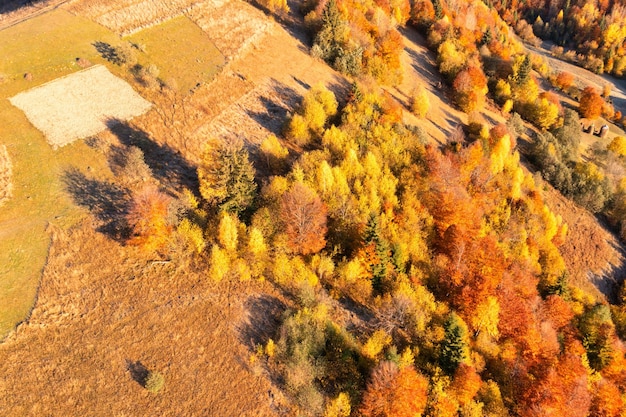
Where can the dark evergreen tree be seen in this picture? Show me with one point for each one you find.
(331, 38)
(454, 348)
(374, 240)
(227, 177)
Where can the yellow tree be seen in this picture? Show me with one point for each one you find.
(420, 103)
(147, 218)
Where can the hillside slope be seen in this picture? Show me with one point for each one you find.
(107, 313)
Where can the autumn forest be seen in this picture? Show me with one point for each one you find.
(418, 277)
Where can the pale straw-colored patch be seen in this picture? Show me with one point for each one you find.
(79, 105)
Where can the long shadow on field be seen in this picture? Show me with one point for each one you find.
(262, 320)
(167, 164)
(108, 52)
(10, 6)
(281, 99)
(277, 103)
(108, 202)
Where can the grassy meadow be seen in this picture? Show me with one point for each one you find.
(47, 47)
(181, 51)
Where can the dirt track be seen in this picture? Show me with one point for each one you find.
(28, 12)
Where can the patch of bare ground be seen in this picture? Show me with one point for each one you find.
(107, 314)
(595, 258)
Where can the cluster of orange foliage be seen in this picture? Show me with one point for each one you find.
(437, 233)
(594, 29)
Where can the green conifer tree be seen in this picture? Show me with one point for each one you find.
(454, 348)
(227, 177)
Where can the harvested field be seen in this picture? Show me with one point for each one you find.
(129, 16)
(79, 105)
(233, 26)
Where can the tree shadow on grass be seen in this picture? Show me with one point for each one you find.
(277, 102)
(263, 318)
(281, 100)
(108, 52)
(167, 164)
(138, 372)
(108, 202)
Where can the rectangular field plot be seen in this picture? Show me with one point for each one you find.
(79, 105)
(181, 51)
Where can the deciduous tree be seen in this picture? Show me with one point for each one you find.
(304, 218)
(147, 218)
(394, 392)
(591, 104)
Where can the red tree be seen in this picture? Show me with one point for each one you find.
(304, 217)
(148, 219)
(394, 393)
(591, 103)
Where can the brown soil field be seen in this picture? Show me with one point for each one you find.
(105, 314)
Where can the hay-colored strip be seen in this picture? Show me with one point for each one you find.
(79, 105)
(129, 16)
(6, 175)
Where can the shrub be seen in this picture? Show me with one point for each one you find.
(125, 54)
(154, 382)
(618, 146)
(134, 166)
(420, 104)
(564, 80)
(149, 75)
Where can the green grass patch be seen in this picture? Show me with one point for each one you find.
(39, 198)
(47, 47)
(181, 51)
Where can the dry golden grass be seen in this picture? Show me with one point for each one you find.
(594, 256)
(181, 51)
(129, 16)
(104, 311)
(233, 26)
(79, 105)
(6, 175)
